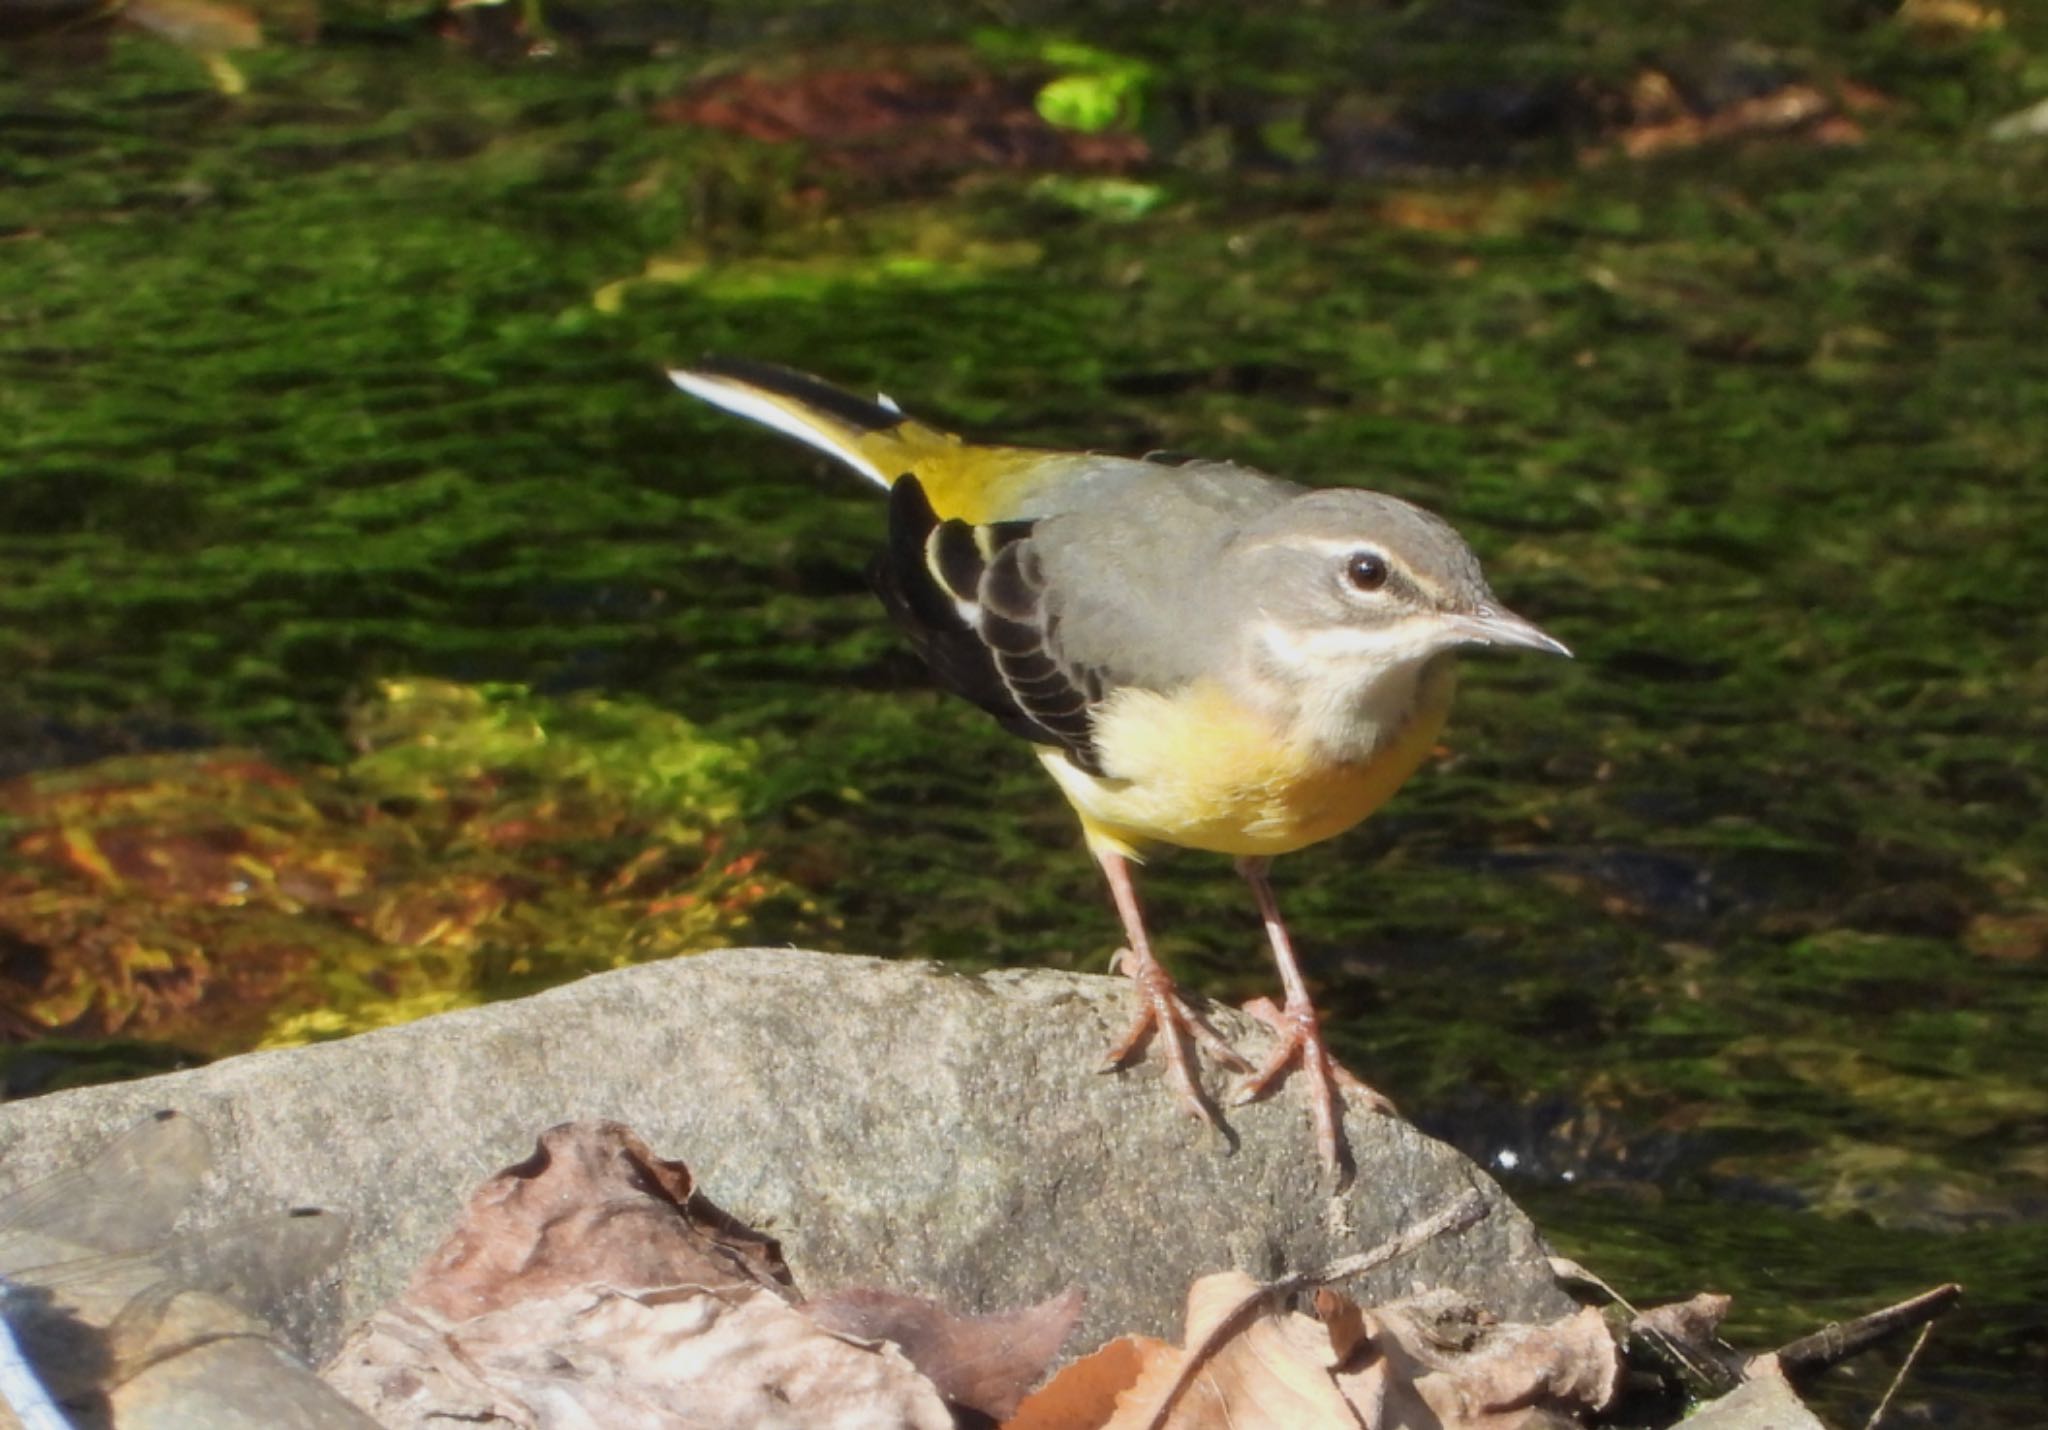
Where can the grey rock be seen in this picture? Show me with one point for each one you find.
(895, 1124)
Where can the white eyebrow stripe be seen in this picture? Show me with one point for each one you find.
(1321, 545)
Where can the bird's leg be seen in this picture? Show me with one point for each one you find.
(1160, 1008)
(1301, 1038)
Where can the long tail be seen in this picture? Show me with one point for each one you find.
(870, 437)
(965, 480)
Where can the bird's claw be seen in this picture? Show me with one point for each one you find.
(1162, 1011)
(1330, 1084)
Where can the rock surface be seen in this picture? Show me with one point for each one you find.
(894, 1124)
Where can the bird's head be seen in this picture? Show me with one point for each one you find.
(1346, 583)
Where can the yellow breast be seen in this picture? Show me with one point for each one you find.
(1200, 770)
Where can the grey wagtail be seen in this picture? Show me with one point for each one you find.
(1205, 656)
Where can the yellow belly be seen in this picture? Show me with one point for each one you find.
(1199, 770)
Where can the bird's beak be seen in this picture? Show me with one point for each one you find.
(1490, 625)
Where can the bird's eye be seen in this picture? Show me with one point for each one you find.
(1366, 570)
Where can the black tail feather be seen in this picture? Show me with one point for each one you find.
(856, 412)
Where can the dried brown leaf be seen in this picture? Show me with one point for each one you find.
(592, 1285)
(1765, 1401)
(1693, 1322)
(1248, 1364)
(687, 1358)
(1084, 1394)
(983, 1363)
(591, 1206)
(1272, 1374)
(1343, 1319)
(1687, 1335)
(1435, 1359)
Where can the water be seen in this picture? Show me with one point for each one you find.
(1731, 933)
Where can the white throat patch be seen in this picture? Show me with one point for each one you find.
(1348, 690)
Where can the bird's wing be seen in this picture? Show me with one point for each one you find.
(972, 600)
(1039, 621)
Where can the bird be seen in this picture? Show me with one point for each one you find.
(1203, 655)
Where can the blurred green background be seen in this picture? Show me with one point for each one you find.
(382, 633)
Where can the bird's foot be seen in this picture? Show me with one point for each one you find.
(1162, 1011)
(1330, 1083)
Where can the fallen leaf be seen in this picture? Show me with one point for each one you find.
(1084, 1394)
(593, 1285)
(591, 1205)
(1765, 1401)
(1686, 1335)
(983, 1363)
(1249, 1365)
(683, 1358)
(1437, 1359)
(1272, 1373)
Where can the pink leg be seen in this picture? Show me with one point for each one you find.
(1160, 1008)
(1301, 1039)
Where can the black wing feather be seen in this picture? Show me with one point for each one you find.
(972, 601)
